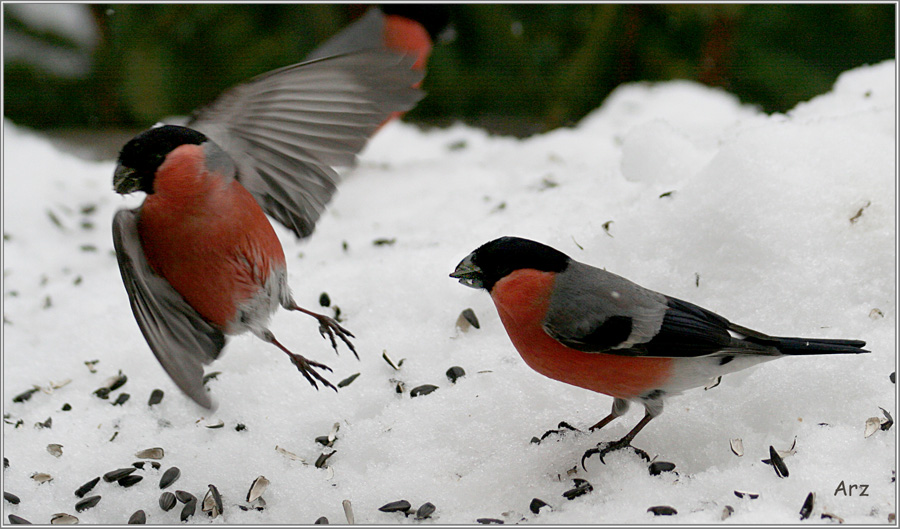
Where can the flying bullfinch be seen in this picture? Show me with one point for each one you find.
(593, 329)
(199, 259)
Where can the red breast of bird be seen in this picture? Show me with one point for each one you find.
(201, 223)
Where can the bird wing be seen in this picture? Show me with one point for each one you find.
(287, 129)
(595, 311)
(366, 32)
(177, 334)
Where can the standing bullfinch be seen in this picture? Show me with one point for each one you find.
(199, 258)
(593, 329)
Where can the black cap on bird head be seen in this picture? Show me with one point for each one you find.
(142, 155)
(494, 260)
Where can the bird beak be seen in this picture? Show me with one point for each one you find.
(125, 181)
(468, 273)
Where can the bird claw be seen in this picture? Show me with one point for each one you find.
(603, 449)
(305, 367)
(328, 328)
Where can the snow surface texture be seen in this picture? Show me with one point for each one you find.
(782, 223)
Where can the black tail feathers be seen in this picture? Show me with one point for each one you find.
(818, 346)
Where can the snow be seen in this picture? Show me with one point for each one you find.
(674, 185)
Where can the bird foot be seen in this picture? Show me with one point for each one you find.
(306, 368)
(562, 427)
(328, 328)
(603, 449)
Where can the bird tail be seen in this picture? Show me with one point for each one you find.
(818, 346)
(801, 346)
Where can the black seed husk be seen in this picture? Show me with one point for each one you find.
(425, 511)
(155, 465)
(658, 467)
(324, 300)
(156, 396)
(323, 457)
(118, 382)
(66, 407)
(138, 465)
(893, 377)
(323, 440)
(424, 389)
(185, 496)
(750, 495)
(455, 373)
(138, 518)
(537, 504)
(321, 520)
(25, 395)
(166, 501)
(116, 475)
(11, 498)
(84, 489)
(489, 521)
(662, 510)
(188, 510)
(470, 317)
(807, 508)
(169, 476)
(780, 468)
(396, 506)
(347, 381)
(240, 427)
(87, 503)
(128, 481)
(210, 376)
(121, 399)
(582, 487)
(217, 498)
(13, 519)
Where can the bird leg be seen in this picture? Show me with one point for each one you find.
(625, 442)
(328, 328)
(303, 364)
(619, 407)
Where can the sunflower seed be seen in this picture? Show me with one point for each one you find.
(751, 495)
(537, 504)
(5, 462)
(26, 395)
(347, 381)
(166, 501)
(257, 488)
(87, 503)
(121, 399)
(66, 407)
(84, 489)
(11, 498)
(169, 476)
(388, 360)
(425, 510)
(893, 377)
(240, 427)
(62, 518)
(727, 511)
(582, 487)
(348, 512)
(713, 384)
(216, 425)
(112, 383)
(737, 447)
(188, 510)
(467, 320)
(324, 300)
(829, 516)
(290, 455)
(321, 520)
(489, 521)
(90, 365)
(212, 502)
(454, 373)
(424, 389)
(886, 424)
(662, 510)
(116, 475)
(138, 518)
(780, 468)
(332, 435)
(184, 496)
(18, 520)
(128, 481)
(658, 467)
(41, 477)
(400, 387)
(156, 396)
(49, 423)
(807, 508)
(151, 453)
(396, 506)
(55, 449)
(323, 457)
